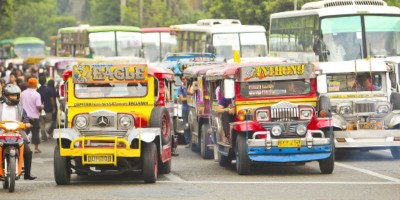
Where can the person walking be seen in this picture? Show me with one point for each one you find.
(49, 98)
(32, 104)
(42, 117)
(182, 94)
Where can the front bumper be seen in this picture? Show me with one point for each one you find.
(367, 138)
(267, 150)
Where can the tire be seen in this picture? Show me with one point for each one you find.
(205, 151)
(327, 165)
(395, 100)
(324, 103)
(243, 162)
(150, 163)
(62, 174)
(395, 152)
(11, 174)
(160, 118)
(165, 168)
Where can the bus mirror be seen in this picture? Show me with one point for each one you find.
(321, 84)
(229, 88)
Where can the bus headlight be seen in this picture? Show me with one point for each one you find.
(301, 129)
(343, 110)
(383, 109)
(276, 130)
(81, 122)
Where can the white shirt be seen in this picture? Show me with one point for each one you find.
(9, 112)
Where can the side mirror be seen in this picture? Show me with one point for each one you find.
(322, 87)
(229, 88)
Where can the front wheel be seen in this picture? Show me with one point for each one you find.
(150, 163)
(62, 174)
(328, 164)
(243, 162)
(11, 174)
(395, 152)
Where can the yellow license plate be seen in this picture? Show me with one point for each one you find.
(99, 159)
(289, 143)
(366, 126)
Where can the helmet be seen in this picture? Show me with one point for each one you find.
(8, 90)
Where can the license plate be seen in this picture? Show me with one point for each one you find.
(99, 159)
(289, 143)
(366, 126)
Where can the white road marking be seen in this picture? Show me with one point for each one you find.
(369, 172)
(174, 178)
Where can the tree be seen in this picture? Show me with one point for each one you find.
(6, 19)
(104, 12)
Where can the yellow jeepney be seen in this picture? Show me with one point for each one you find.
(116, 121)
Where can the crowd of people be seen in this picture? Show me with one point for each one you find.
(22, 100)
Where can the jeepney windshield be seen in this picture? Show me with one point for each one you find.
(355, 82)
(29, 50)
(275, 88)
(342, 37)
(249, 44)
(115, 43)
(110, 90)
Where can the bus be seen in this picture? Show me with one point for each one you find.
(99, 41)
(156, 42)
(353, 43)
(22, 47)
(221, 37)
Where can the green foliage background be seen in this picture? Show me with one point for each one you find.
(42, 18)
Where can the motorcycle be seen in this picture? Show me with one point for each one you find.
(11, 153)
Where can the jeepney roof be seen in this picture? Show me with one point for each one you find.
(259, 59)
(53, 60)
(373, 65)
(185, 55)
(33, 60)
(201, 69)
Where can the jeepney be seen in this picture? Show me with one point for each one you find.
(178, 62)
(363, 118)
(275, 119)
(116, 121)
(199, 113)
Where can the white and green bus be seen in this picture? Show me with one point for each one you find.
(99, 41)
(221, 37)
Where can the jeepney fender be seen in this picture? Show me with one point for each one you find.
(321, 123)
(252, 126)
(147, 134)
(394, 119)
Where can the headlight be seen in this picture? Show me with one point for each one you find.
(125, 122)
(81, 122)
(276, 130)
(262, 115)
(343, 110)
(305, 114)
(301, 129)
(383, 109)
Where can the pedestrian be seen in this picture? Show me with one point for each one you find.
(49, 98)
(11, 109)
(182, 94)
(31, 103)
(42, 117)
(13, 78)
(2, 84)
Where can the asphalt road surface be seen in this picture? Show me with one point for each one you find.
(357, 175)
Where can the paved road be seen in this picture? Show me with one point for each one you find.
(357, 175)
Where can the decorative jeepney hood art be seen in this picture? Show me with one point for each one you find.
(276, 72)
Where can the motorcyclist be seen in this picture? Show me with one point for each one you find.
(11, 109)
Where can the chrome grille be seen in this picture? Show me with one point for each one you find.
(119, 134)
(364, 107)
(288, 129)
(284, 114)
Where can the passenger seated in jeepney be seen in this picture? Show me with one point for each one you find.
(366, 83)
(226, 109)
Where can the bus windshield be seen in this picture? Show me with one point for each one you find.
(251, 44)
(343, 36)
(275, 88)
(355, 82)
(104, 44)
(29, 50)
(156, 45)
